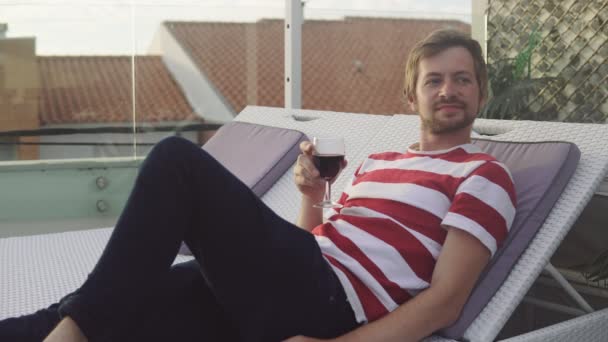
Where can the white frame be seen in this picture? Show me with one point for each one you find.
(293, 54)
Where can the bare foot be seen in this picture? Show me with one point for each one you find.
(66, 331)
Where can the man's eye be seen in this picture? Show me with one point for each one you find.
(464, 80)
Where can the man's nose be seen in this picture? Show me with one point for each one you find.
(448, 89)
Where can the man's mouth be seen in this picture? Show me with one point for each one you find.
(450, 107)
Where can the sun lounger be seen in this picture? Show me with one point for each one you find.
(37, 270)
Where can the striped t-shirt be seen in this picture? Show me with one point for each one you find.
(384, 243)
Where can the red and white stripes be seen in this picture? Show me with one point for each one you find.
(384, 243)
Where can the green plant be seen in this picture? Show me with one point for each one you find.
(512, 87)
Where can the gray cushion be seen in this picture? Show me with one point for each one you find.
(540, 172)
(258, 155)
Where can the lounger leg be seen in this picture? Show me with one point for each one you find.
(569, 289)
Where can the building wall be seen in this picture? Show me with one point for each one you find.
(19, 89)
(199, 91)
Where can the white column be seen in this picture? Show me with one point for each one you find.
(293, 54)
(479, 23)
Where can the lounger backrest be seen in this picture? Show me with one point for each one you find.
(540, 171)
(258, 155)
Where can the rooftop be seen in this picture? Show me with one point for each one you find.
(95, 89)
(352, 65)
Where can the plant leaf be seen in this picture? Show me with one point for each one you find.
(513, 101)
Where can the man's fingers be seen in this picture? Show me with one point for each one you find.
(304, 181)
(307, 166)
(306, 173)
(307, 147)
(311, 184)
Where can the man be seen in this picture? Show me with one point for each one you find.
(396, 263)
(445, 83)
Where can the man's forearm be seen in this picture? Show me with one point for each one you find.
(309, 216)
(458, 267)
(424, 314)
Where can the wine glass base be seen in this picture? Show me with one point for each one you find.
(328, 205)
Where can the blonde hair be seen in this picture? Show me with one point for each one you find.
(434, 44)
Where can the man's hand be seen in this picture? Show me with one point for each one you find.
(311, 185)
(307, 176)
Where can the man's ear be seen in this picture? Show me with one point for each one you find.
(411, 101)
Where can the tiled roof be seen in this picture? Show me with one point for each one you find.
(351, 65)
(93, 89)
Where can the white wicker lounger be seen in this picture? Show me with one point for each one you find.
(61, 261)
(38, 270)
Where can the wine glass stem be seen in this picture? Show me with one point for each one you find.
(327, 191)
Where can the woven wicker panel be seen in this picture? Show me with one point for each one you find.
(38, 270)
(573, 47)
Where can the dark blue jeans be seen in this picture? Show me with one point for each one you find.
(256, 276)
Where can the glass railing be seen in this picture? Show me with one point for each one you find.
(90, 79)
(88, 87)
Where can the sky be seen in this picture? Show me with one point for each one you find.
(120, 27)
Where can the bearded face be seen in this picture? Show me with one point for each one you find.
(449, 115)
(447, 92)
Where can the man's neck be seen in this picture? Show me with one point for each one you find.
(444, 141)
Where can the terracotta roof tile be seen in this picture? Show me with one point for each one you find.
(351, 65)
(93, 89)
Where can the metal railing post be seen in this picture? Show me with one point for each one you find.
(293, 54)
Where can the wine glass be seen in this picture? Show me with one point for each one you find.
(328, 158)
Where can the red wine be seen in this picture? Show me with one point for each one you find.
(328, 164)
